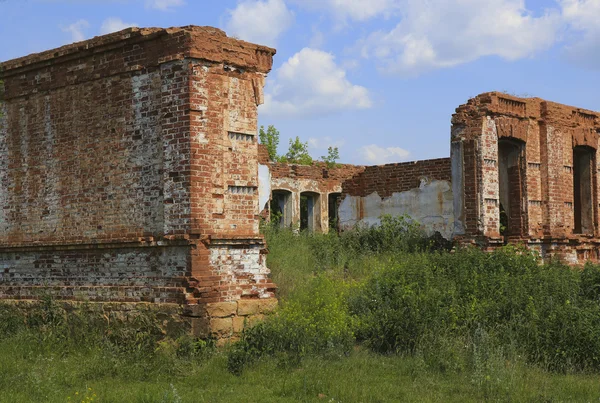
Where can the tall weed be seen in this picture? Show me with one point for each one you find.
(315, 321)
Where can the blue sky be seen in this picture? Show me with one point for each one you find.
(380, 79)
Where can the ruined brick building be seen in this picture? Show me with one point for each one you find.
(130, 174)
(526, 171)
(305, 196)
(521, 171)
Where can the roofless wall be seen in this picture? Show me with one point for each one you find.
(129, 173)
(525, 170)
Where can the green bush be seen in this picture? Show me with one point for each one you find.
(393, 234)
(539, 309)
(415, 298)
(315, 321)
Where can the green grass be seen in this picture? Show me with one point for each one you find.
(366, 317)
(361, 377)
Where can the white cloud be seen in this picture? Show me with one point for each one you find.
(442, 33)
(77, 29)
(311, 83)
(357, 10)
(259, 21)
(582, 17)
(164, 5)
(322, 143)
(114, 24)
(377, 155)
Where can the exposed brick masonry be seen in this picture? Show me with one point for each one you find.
(546, 146)
(128, 171)
(392, 178)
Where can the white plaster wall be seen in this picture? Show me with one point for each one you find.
(264, 186)
(431, 204)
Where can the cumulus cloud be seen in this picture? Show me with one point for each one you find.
(377, 155)
(311, 83)
(114, 24)
(582, 17)
(259, 21)
(440, 33)
(164, 5)
(356, 10)
(77, 29)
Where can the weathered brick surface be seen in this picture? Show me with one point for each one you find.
(393, 178)
(542, 189)
(128, 169)
(317, 179)
(421, 190)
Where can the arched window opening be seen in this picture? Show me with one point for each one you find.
(511, 183)
(310, 209)
(583, 207)
(333, 202)
(281, 208)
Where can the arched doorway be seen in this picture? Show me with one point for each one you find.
(310, 211)
(281, 207)
(333, 200)
(583, 206)
(511, 186)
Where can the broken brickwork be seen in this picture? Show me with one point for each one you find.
(393, 178)
(129, 173)
(419, 189)
(525, 170)
(306, 195)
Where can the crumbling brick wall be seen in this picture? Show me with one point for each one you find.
(129, 172)
(419, 189)
(393, 178)
(541, 142)
(318, 180)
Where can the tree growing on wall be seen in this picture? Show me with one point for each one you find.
(298, 153)
(270, 138)
(332, 156)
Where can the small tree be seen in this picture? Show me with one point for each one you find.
(270, 138)
(298, 153)
(333, 155)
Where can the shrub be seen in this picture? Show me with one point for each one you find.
(315, 321)
(422, 301)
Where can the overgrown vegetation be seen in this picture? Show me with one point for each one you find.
(457, 311)
(376, 314)
(297, 151)
(333, 154)
(270, 139)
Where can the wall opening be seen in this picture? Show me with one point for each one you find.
(281, 208)
(333, 203)
(511, 174)
(583, 161)
(310, 209)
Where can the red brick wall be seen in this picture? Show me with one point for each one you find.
(130, 162)
(550, 131)
(263, 155)
(316, 178)
(393, 178)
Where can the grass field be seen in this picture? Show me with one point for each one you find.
(370, 317)
(361, 377)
